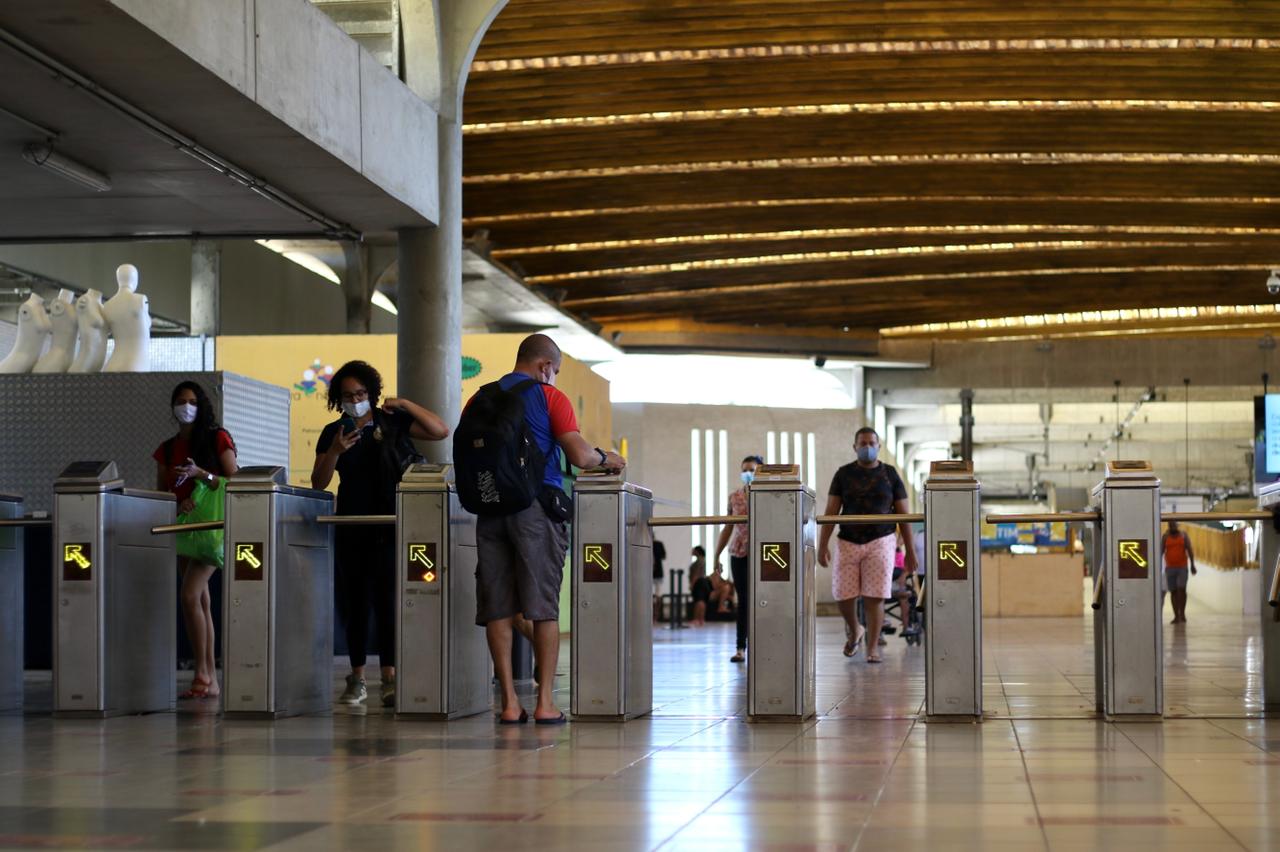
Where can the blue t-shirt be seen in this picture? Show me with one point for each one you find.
(549, 415)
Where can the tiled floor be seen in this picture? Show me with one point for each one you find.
(1041, 773)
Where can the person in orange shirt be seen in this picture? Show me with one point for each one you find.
(1178, 556)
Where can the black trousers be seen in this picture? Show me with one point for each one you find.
(738, 566)
(365, 581)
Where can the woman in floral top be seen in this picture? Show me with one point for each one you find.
(735, 537)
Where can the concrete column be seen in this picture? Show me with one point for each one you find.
(206, 285)
(429, 299)
(357, 287)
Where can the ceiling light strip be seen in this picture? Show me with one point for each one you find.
(913, 278)
(753, 203)
(792, 258)
(849, 233)
(1068, 321)
(855, 48)
(1044, 158)
(872, 108)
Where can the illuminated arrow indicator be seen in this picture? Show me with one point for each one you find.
(75, 553)
(948, 552)
(244, 553)
(1132, 550)
(418, 553)
(593, 554)
(773, 553)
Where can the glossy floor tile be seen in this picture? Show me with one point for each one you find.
(1042, 772)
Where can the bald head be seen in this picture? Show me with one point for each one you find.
(539, 357)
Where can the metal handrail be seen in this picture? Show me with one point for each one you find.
(1097, 591)
(26, 522)
(1274, 597)
(199, 526)
(356, 520)
(1247, 515)
(698, 520)
(907, 518)
(1041, 517)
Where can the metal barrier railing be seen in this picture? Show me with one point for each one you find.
(698, 520)
(198, 526)
(26, 522)
(356, 520)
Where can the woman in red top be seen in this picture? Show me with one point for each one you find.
(202, 450)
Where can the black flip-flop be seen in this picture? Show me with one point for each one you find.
(524, 717)
(559, 720)
(875, 661)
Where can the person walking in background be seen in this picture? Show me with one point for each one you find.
(369, 447)
(197, 456)
(736, 538)
(864, 562)
(1178, 558)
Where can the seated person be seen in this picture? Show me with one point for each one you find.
(700, 586)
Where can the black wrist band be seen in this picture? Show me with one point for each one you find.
(604, 457)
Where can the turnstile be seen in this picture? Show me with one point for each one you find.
(115, 647)
(443, 669)
(781, 665)
(1269, 561)
(953, 602)
(11, 604)
(611, 668)
(1128, 636)
(277, 634)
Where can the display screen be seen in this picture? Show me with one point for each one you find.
(1266, 440)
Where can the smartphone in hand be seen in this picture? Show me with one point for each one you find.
(347, 424)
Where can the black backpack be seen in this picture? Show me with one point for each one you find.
(498, 466)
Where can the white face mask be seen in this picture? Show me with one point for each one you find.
(185, 412)
(356, 409)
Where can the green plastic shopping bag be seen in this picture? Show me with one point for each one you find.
(204, 546)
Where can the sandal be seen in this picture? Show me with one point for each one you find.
(199, 689)
(853, 643)
(740, 657)
(524, 717)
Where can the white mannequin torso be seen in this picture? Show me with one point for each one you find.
(33, 329)
(130, 319)
(62, 346)
(92, 353)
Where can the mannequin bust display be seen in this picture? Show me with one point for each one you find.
(33, 329)
(130, 320)
(62, 348)
(92, 353)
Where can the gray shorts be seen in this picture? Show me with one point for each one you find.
(1175, 579)
(520, 565)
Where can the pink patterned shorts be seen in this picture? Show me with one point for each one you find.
(864, 570)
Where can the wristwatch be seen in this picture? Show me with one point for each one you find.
(604, 457)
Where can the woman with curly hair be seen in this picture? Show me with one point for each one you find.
(201, 451)
(369, 447)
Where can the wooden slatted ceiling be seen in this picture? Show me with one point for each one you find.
(955, 159)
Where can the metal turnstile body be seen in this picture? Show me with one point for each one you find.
(1128, 637)
(11, 606)
(781, 663)
(1269, 561)
(278, 597)
(611, 667)
(115, 643)
(953, 602)
(443, 669)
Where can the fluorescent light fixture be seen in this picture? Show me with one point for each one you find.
(45, 157)
(380, 300)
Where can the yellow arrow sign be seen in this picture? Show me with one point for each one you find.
(773, 553)
(75, 553)
(593, 554)
(947, 552)
(418, 553)
(1132, 551)
(244, 553)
